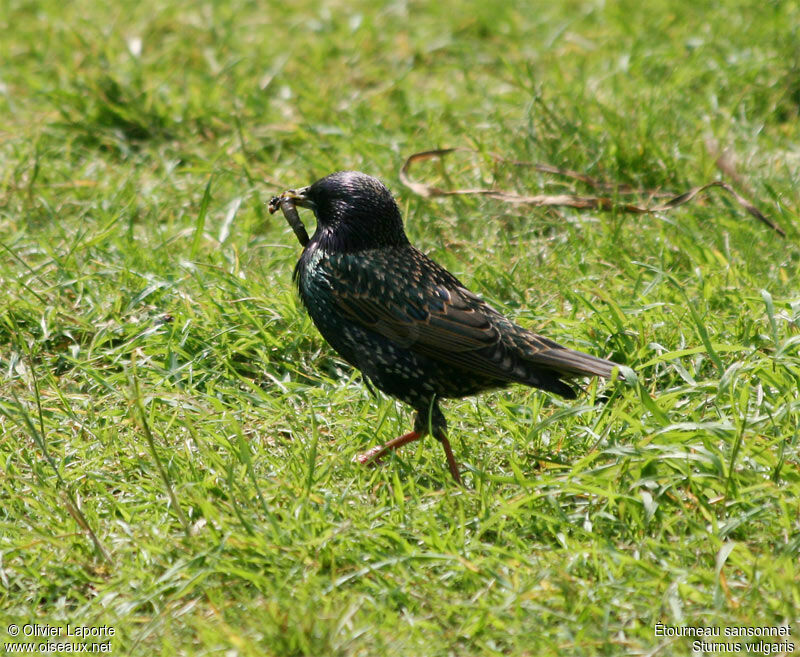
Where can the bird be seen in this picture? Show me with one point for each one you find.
(410, 326)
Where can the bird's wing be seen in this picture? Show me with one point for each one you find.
(410, 311)
(421, 307)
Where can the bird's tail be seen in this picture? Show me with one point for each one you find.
(574, 363)
(546, 353)
(554, 366)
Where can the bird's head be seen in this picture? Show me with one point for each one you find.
(354, 211)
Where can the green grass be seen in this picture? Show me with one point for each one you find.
(176, 438)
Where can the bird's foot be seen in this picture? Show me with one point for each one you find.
(371, 456)
(375, 454)
(451, 460)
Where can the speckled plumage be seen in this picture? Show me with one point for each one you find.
(409, 325)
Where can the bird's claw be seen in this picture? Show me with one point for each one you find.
(370, 457)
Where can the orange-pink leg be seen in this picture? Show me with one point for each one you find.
(451, 460)
(375, 454)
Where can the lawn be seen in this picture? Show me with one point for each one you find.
(176, 439)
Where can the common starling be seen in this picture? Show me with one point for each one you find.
(408, 324)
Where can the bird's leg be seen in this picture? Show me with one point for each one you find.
(375, 454)
(427, 421)
(451, 460)
(433, 420)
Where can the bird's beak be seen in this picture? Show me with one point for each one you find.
(300, 198)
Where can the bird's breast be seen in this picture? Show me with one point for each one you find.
(312, 280)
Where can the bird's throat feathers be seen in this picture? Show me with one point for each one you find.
(353, 236)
